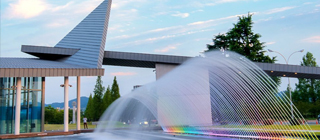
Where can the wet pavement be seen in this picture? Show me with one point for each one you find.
(130, 135)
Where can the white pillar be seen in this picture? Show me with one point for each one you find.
(43, 102)
(66, 100)
(18, 108)
(78, 103)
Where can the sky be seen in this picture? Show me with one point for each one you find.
(171, 27)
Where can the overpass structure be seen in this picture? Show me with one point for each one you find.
(151, 61)
(81, 53)
(145, 60)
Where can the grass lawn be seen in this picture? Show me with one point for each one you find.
(55, 127)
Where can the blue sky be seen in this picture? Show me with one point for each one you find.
(173, 27)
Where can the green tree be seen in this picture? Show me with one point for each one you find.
(308, 89)
(89, 109)
(107, 98)
(115, 94)
(49, 113)
(307, 93)
(243, 40)
(97, 99)
(59, 117)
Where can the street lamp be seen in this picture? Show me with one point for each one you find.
(287, 61)
(62, 85)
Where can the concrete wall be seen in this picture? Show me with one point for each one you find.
(162, 69)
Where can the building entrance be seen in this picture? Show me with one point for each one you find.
(30, 114)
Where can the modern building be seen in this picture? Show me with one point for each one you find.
(81, 53)
(22, 80)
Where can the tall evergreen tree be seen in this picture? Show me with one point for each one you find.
(97, 99)
(244, 41)
(107, 98)
(308, 90)
(89, 109)
(307, 93)
(115, 94)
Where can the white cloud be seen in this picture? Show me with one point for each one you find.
(168, 48)
(122, 37)
(197, 11)
(318, 5)
(270, 43)
(125, 15)
(212, 21)
(172, 32)
(307, 3)
(201, 39)
(176, 13)
(314, 11)
(26, 9)
(313, 39)
(199, 22)
(182, 15)
(86, 6)
(62, 6)
(158, 38)
(264, 19)
(58, 23)
(118, 4)
(213, 3)
(144, 33)
(226, 1)
(115, 27)
(277, 10)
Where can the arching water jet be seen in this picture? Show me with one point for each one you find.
(221, 94)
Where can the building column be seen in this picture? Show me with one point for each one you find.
(18, 108)
(74, 112)
(43, 102)
(66, 106)
(3, 98)
(78, 103)
(35, 110)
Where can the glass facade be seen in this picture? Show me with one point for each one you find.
(30, 115)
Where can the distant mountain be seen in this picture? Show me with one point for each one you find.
(83, 100)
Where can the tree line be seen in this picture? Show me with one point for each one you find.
(101, 99)
(56, 116)
(97, 104)
(306, 95)
(243, 40)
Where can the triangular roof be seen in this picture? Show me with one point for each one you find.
(89, 36)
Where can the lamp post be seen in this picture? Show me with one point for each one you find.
(287, 62)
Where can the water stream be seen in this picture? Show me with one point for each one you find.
(221, 94)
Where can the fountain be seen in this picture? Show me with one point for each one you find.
(221, 94)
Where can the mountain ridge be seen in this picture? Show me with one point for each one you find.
(83, 100)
